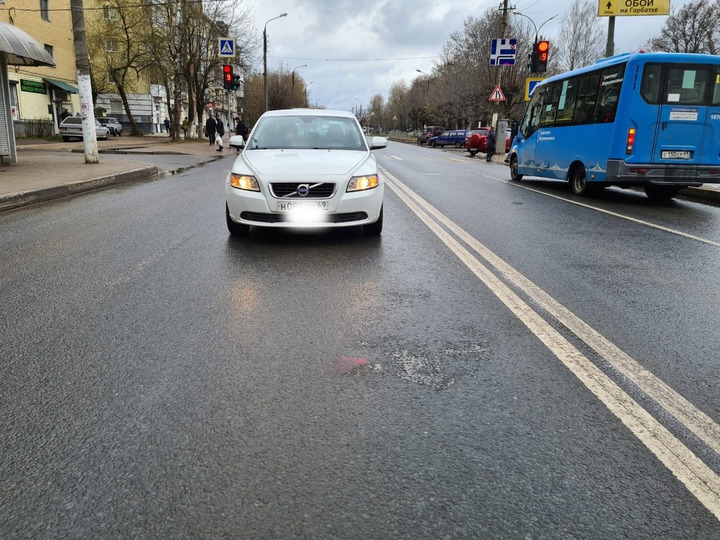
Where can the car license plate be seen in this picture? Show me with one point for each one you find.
(675, 154)
(291, 206)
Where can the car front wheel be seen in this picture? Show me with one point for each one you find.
(236, 229)
(374, 229)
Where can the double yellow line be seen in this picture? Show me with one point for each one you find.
(699, 479)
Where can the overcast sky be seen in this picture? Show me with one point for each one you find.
(355, 49)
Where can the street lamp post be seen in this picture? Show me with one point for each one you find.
(292, 86)
(265, 58)
(537, 30)
(307, 103)
(427, 87)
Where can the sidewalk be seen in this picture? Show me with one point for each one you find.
(49, 170)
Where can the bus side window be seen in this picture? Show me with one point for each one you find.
(716, 88)
(651, 83)
(550, 105)
(587, 96)
(566, 105)
(531, 121)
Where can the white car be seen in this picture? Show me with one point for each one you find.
(71, 128)
(305, 168)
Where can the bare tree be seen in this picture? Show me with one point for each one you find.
(582, 40)
(116, 45)
(694, 28)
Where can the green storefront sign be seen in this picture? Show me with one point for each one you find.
(33, 86)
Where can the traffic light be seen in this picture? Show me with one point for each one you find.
(228, 78)
(236, 82)
(539, 56)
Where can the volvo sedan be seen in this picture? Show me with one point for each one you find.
(303, 168)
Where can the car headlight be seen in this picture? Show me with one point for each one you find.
(360, 183)
(243, 181)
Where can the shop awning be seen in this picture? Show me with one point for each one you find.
(21, 49)
(61, 85)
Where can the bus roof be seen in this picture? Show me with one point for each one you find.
(642, 56)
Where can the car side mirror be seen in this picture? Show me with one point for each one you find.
(376, 143)
(237, 141)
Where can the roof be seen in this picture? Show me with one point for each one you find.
(308, 112)
(21, 49)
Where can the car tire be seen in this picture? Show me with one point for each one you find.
(236, 229)
(374, 229)
(65, 139)
(457, 145)
(472, 152)
(661, 193)
(515, 176)
(107, 135)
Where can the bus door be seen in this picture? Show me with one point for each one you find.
(680, 135)
(526, 139)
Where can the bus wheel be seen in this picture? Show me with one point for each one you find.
(514, 175)
(661, 193)
(578, 181)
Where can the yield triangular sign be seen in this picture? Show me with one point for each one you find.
(497, 95)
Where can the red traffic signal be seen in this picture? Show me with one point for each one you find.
(228, 78)
(539, 56)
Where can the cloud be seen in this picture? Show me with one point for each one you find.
(356, 49)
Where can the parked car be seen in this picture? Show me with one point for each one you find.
(476, 141)
(71, 128)
(112, 124)
(305, 168)
(430, 131)
(454, 138)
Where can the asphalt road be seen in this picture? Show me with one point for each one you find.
(163, 380)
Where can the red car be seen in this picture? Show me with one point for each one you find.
(476, 141)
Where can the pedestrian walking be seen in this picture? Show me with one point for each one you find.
(185, 126)
(241, 128)
(219, 126)
(210, 129)
(490, 145)
(167, 125)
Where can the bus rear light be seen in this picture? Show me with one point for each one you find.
(638, 170)
(630, 141)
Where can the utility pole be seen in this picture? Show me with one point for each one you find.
(82, 64)
(610, 45)
(498, 74)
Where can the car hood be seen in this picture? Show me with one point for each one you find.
(300, 162)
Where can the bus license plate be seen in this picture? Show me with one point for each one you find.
(291, 206)
(675, 154)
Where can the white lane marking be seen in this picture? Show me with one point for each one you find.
(602, 210)
(695, 420)
(398, 158)
(699, 479)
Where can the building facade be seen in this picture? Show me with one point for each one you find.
(38, 95)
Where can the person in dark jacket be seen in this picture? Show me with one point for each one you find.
(490, 145)
(210, 128)
(241, 128)
(220, 127)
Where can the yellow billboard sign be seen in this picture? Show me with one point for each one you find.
(608, 8)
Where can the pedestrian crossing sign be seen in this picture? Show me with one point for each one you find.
(226, 47)
(497, 94)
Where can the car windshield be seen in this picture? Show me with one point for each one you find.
(307, 132)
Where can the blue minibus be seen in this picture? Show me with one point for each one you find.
(635, 119)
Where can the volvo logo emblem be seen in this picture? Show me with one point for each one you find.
(303, 190)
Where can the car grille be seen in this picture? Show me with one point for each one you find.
(281, 218)
(288, 190)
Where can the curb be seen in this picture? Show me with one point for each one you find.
(27, 198)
